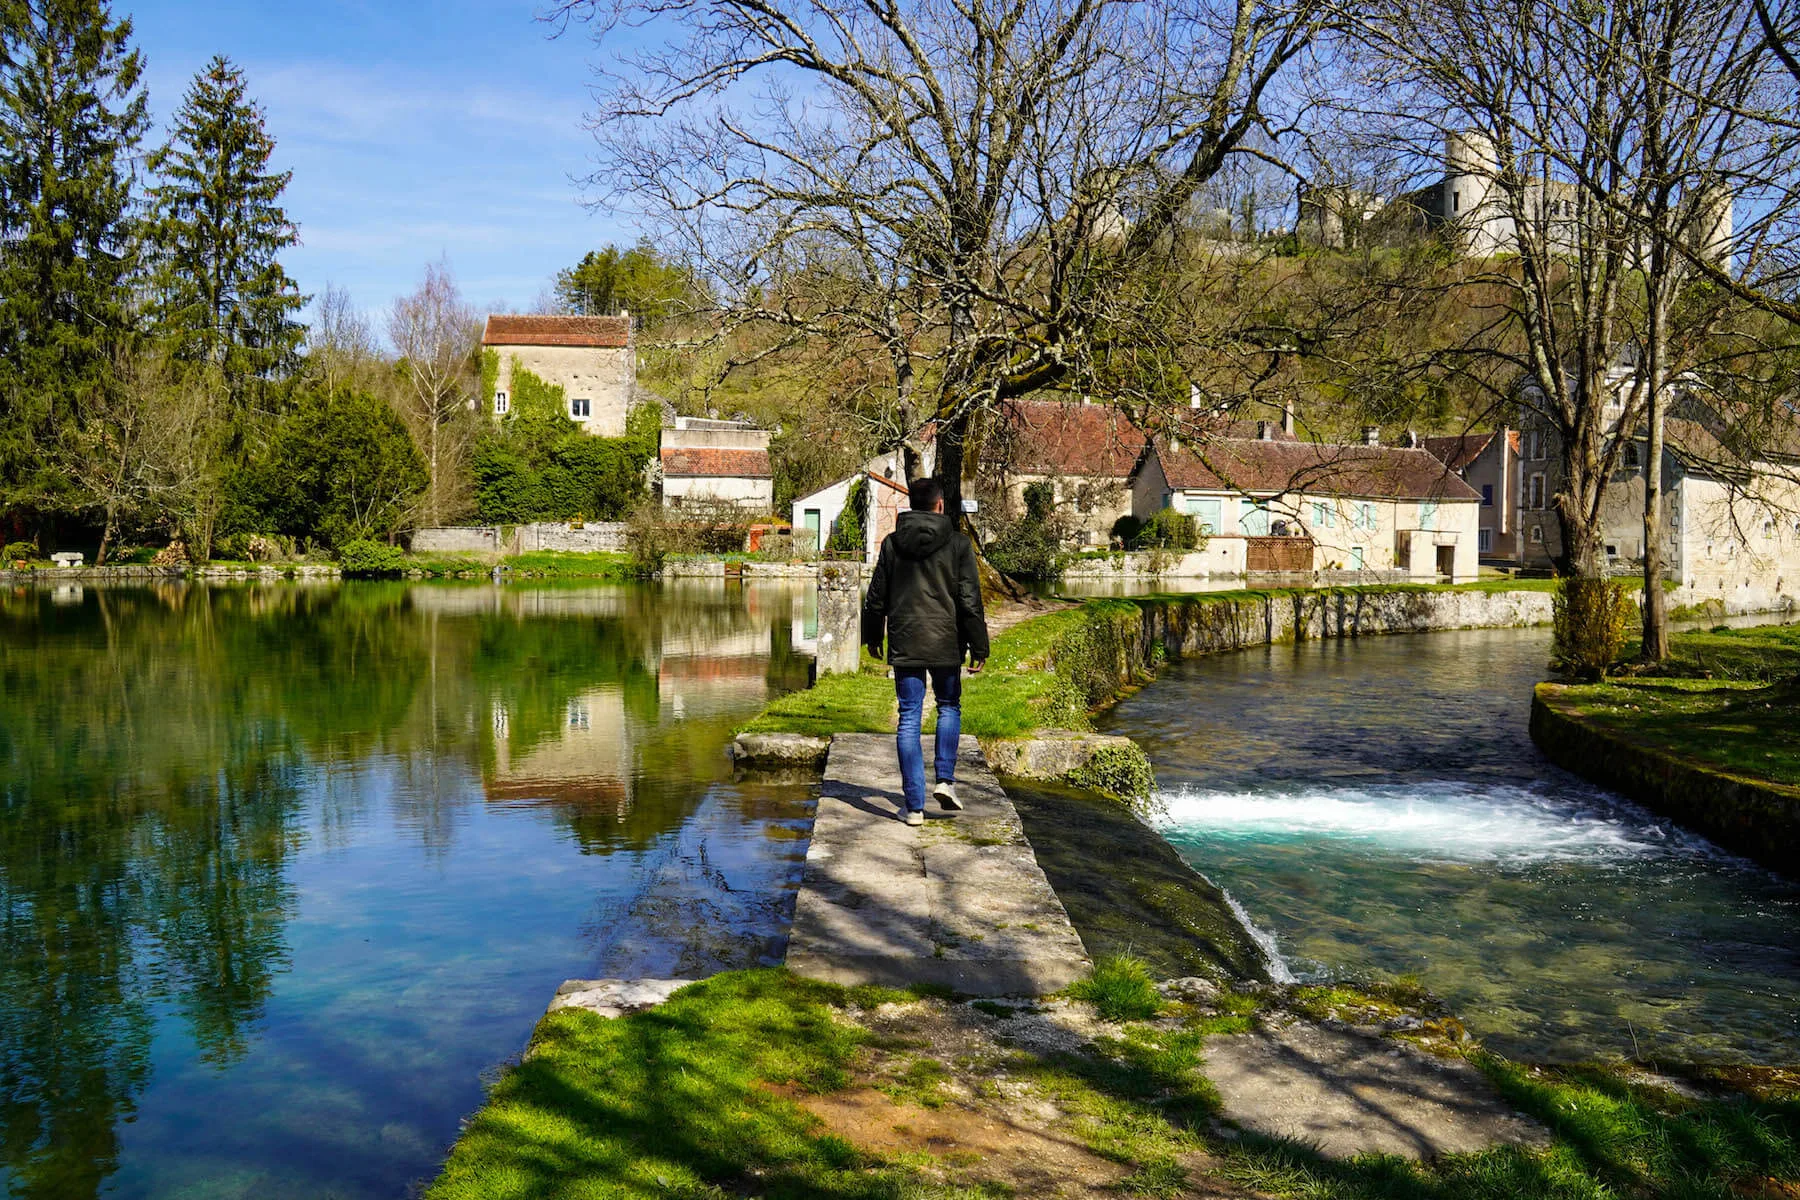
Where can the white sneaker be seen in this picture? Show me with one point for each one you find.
(946, 797)
(915, 816)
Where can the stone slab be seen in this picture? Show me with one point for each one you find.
(959, 903)
(777, 751)
(1346, 1094)
(615, 997)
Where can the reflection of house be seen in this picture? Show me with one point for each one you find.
(1489, 463)
(590, 358)
(1364, 508)
(1085, 452)
(1731, 511)
(587, 761)
(706, 461)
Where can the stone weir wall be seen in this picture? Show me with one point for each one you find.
(1755, 818)
(1182, 626)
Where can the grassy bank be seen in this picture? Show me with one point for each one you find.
(543, 564)
(763, 1084)
(1725, 700)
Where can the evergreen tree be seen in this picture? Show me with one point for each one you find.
(72, 111)
(222, 296)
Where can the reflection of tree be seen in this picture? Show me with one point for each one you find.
(159, 748)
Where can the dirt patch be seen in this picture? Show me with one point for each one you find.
(936, 1084)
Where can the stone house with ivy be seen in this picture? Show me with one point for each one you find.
(593, 360)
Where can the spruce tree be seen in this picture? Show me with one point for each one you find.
(72, 111)
(221, 295)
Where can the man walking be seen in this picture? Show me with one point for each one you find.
(925, 598)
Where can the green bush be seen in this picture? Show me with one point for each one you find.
(365, 558)
(1031, 547)
(1122, 772)
(1167, 530)
(1125, 530)
(20, 552)
(1592, 619)
(1121, 989)
(537, 465)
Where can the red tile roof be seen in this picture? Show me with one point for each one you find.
(1268, 467)
(710, 463)
(1047, 437)
(607, 333)
(1458, 452)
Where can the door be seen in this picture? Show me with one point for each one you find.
(812, 529)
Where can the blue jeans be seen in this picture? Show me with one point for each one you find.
(909, 686)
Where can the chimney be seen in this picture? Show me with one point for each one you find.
(1265, 431)
(1193, 394)
(1287, 418)
(1412, 439)
(1371, 435)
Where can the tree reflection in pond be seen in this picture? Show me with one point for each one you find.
(283, 868)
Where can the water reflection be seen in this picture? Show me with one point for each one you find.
(314, 857)
(1379, 807)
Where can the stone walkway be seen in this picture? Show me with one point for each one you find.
(960, 902)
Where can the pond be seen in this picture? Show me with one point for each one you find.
(1377, 808)
(285, 870)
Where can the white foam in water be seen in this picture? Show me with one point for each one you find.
(1459, 822)
(1265, 941)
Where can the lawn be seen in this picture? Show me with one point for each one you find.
(718, 1093)
(1726, 699)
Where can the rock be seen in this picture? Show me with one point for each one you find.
(615, 997)
(779, 750)
(1193, 989)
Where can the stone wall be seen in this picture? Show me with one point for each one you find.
(593, 537)
(1755, 818)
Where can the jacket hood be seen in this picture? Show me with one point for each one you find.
(921, 534)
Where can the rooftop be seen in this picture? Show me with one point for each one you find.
(512, 329)
(707, 462)
(1268, 467)
(1049, 437)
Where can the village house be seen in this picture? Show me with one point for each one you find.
(592, 359)
(1731, 511)
(816, 513)
(1308, 506)
(1489, 463)
(707, 461)
(1085, 452)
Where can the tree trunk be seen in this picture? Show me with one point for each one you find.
(106, 535)
(1655, 645)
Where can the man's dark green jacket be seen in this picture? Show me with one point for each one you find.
(925, 596)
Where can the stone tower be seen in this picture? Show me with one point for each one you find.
(1470, 168)
(1711, 223)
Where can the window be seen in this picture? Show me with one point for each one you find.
(1768, 529)
(581, 408)
(1535, 492)
(1324, 514)
(1253, 519)
(1612, 552)
(1487, 495)
(1633, 459)
(1485, 542)
(1207, 514)
(501, 403)
(1356, 558)
(1365, 515)
(1455, 201)
(1536, 445)
(1537, 535)
(578, 714)
(1428, 514)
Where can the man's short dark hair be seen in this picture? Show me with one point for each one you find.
(925, 494)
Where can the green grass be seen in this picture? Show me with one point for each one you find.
(1724, 699)
(543, 564)
(1120, 989)
(672, 1102)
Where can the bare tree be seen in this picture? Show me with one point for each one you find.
(955, 191)
(435, 332)
(340, 343)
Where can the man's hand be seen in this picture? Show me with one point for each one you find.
(975, 665)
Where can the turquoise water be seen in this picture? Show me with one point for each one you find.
(285, 871)
(1378, 809)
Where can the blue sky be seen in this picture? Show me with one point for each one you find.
(414, 131)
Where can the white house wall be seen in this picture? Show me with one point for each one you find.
(606, 378)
